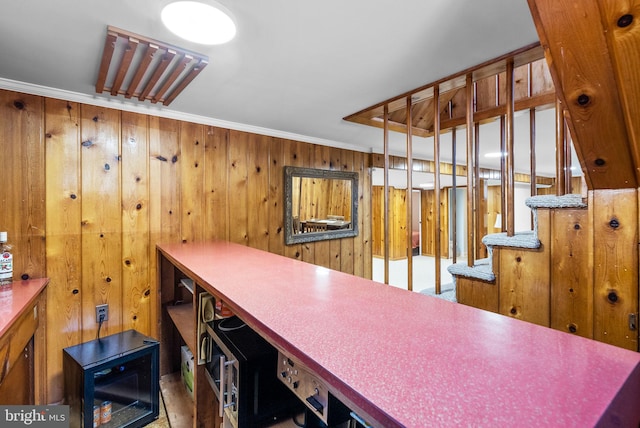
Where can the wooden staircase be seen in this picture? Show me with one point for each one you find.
(577, 271)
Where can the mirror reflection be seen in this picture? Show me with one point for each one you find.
(319, 204)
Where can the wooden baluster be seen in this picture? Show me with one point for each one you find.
(510, 176)
(386, 194)
(532, 155)
(454, 198)
(560, 150)
(470, 198)
(436, 186)
(409, 197)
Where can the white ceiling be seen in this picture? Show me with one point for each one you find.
(295, 69)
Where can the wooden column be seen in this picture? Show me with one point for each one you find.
(470, 199)
(409, 196)
(510, 166)
(436, 157)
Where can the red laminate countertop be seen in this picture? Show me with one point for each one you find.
(15, 299)
(407, 359)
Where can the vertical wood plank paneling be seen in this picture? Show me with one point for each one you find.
(22, 174)
(477, 293)
(346, 244)
(192, 181)
(398, 233)
(258, 191)
(216, 179)
(486, 95)
(377, 221)
(276, 197)
(64, 261)
(164, 196)
(320, 158)
(364, 214)
(360, 264)
(101, 219)
(615, 270)
(238, 188)
(108, 202)
(427, 199)
(294, 157)
(136, 289)
(571, 283)
(334, 262)
(444, 222)
(525, 278)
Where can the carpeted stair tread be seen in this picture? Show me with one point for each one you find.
(482, 269)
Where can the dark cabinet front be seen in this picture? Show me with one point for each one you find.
(113, 381)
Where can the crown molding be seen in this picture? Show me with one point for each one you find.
(125, 105)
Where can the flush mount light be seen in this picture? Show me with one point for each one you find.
(205, 23)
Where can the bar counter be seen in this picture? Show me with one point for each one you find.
(16, 298)
(403, 359)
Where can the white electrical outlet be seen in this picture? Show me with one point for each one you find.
(102, 311)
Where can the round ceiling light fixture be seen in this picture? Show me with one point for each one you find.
(205, 23)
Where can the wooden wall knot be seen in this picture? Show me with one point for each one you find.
(583, 100)
(161, 158)
(87, 143)
(513, 310)
(573, 328)
(614, 223)
(612, 297)
(19, 105)
(576, 226)
(75, 291)
(24, 276)
(625, 20)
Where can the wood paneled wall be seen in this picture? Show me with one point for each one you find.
(397, 222)
(89, 191)
(429, 212)
(583, 279)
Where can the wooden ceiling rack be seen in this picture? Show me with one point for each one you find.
(149, 70)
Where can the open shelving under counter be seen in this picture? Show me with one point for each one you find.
(177, 306)
(493, 370)
(182, 318)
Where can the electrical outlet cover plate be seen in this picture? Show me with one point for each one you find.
(102, 310)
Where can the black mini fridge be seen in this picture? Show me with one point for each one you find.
(112, 381)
